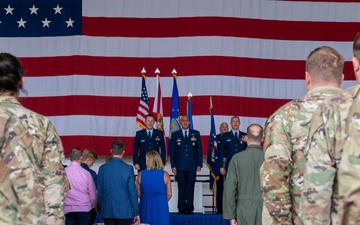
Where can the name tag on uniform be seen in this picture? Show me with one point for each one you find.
(178, 141)
(142, 140)
(228, 140)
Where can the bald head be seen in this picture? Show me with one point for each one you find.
(254, 134)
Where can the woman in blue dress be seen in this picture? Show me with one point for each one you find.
(153, 186)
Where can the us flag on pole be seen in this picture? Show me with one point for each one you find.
(82, 58)
(143, 109)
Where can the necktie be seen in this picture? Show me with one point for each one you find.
(236, 135)
(186, 134)
(149, 135)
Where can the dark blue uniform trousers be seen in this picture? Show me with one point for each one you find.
(186, 185)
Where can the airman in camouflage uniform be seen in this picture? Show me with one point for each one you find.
(331, 193)
(286, 136)
(38, 179)
(14, 202)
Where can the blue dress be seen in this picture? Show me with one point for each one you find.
(154, 208)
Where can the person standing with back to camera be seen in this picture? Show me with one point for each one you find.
(117, 196)
(153, 186)
(41, 191)
(89, 158)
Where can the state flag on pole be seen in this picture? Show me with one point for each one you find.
(158, 107)
(143, 108)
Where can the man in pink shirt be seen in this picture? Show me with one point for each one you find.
(82, 197)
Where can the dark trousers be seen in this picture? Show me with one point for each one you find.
(93, 215)
(219, 193)
(78, 218)
(186, 185)
(111, 221)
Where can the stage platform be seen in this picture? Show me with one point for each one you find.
(198, 219)
(195, 219)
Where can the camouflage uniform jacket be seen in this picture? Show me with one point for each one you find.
(331, 193)
(42, 169)
(286, 135)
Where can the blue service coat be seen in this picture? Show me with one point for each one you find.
(117, 195)
(229, 146)
(186, 154)
(92, 172)
(145, 144)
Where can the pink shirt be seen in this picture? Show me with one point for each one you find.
(82, 196)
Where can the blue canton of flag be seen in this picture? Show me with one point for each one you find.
(40, 18)
(212, 157)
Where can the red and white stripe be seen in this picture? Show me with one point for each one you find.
(249, 55)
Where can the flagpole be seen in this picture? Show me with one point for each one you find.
(158, 110)
(189, 110)
(175, 110)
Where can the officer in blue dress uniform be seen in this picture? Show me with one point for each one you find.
(186, 160)
(224, 128)
(146, 140)
(231, 143)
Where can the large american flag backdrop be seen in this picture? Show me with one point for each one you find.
(83, 59)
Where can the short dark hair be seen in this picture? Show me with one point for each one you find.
(325, 63)
(149, 115)
(11, 73)
(117, 147)
(356, 46)
(253, 134)
(75, 154)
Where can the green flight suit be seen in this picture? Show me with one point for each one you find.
(242, 195)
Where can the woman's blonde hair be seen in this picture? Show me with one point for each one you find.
(153, 161)
(89, 154)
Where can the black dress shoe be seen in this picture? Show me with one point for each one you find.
(181, 212)
(190, 212)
